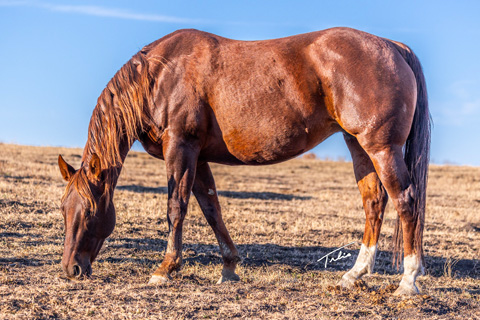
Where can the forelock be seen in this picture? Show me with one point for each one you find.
(81, 185)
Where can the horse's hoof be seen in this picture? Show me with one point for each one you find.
(159, 279)
(228, 276)
(406, 291)
(347, 282)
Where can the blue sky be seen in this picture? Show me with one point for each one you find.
(57, 56)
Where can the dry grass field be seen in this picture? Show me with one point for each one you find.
(282, 218)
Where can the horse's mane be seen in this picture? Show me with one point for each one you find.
(120, 116)
(121, 112)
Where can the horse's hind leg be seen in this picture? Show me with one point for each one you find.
(374, 201)
(392, 170)
(181, 162)
(206, 194)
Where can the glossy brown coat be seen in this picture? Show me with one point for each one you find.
(192, 97)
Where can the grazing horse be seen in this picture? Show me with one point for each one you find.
(192, 98)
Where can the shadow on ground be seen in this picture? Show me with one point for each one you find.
(300, 258)
(227, 194)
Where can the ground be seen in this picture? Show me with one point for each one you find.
(283, 218)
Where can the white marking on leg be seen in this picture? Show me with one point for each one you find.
(211, 192)
(158, 279)
(170, 243)
(364, 264)
(365, 260)
(411, 268)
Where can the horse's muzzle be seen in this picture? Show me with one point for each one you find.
(78, 271)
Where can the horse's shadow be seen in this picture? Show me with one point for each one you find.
(227, 194)
(287, 258)
(298, 259)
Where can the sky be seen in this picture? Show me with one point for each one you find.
(57, 56)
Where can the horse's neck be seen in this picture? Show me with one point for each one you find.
(110, 171)
(116, 122)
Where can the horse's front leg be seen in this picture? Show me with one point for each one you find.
(181, 161)
(206, 194)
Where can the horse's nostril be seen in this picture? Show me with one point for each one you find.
(77, 271)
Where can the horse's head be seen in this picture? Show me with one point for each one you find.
(88, 213)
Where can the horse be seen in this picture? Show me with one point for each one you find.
(191, 98)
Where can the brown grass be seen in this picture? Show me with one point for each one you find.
(283, 218)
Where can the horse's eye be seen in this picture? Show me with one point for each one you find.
(88, 213)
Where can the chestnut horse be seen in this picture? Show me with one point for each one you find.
(192, 98)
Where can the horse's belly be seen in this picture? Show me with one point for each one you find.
(276, 142)
(253, 147)
(269, 128)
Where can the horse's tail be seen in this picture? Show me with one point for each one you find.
(416, 156)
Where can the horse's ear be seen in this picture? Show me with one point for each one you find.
(94, 166)
(66, 170)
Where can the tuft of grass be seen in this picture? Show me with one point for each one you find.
(448, 267)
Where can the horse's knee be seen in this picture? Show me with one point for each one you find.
(176, 215)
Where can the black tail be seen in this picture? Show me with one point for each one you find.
(417, 156)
